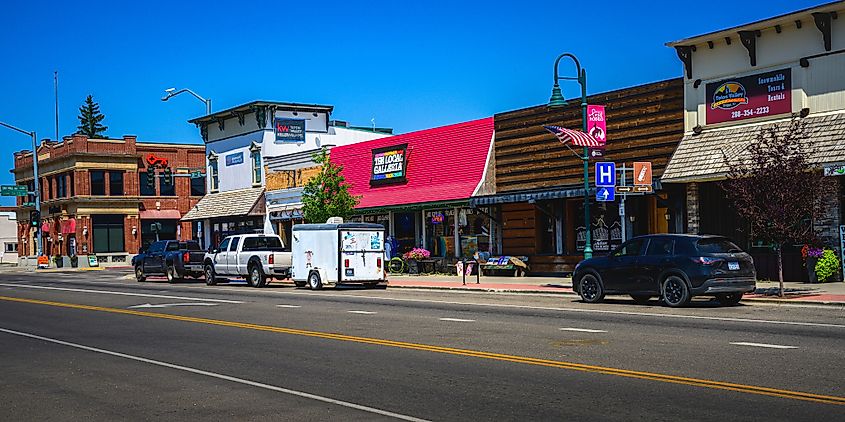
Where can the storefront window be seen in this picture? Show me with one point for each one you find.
(167, 232)
(107, 231)
(605, 226)
(440, 232)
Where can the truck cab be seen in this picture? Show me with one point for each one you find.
(255, 257)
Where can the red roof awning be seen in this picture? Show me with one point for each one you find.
(69, 226)
(160, 215)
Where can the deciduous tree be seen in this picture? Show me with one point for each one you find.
(327, 194)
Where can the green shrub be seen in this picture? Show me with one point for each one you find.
(827, 265)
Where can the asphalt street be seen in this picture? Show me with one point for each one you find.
(101, 346)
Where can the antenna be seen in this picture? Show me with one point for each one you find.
(373, 121)
(56, 92)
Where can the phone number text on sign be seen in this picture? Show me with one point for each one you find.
(759, 111)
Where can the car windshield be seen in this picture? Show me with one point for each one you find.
(717, 245)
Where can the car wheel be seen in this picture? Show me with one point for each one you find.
(314, 281)
(729, 299)
(139, 274)
(675, 292)
(641, 299)
(256, 276)
(591, 290)
(172, 277)
(210, 277)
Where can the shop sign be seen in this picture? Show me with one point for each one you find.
(834, 170)
(642, 173)
(760, 95)
(289, 130)
(234, 159)
(92, 261)
(43, 261)
(156, 161)
(438, 218)
(389, 165)
(596, 124)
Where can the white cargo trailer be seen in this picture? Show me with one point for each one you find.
(331, 254)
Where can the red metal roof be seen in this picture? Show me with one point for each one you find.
(443, 164)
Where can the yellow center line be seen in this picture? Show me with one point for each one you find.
(697, 382)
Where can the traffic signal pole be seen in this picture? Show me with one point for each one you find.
(37, 191)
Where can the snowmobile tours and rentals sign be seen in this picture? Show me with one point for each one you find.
(760, 95)
(389, 165)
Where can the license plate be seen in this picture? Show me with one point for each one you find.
(733, 266)
(350, 272)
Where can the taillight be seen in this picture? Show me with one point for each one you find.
(271, 258)
(346, 263)
(706, 260)
(186, 257)
(378, 263)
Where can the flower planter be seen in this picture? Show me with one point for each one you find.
(413, 266)
(811, 269)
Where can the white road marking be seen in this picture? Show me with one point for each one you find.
(288, 306)
(362, 312)
(769, 346)
(583, 330)
(109, 292)
(220, 376)
(169, 305)
(457, 320)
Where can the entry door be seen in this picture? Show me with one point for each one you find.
(624, 266)
(220, 259)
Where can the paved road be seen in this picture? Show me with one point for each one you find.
(101, 346)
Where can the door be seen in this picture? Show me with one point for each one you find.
(170, 248)
(361, 255)
(621, 272)
(233, 264)
(152, 262)
(658, 256)
(220, 260)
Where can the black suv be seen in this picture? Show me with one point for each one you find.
(675, 267)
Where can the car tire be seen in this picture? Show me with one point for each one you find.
(676, 293)
(210, 277)
(641, 299)
(256, 277)
(139, 274)
(591, 289)
(314, 281)
(172, 277)
(729, 299)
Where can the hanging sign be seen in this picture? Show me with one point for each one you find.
(760, 95)
(596, 124)
(289, 130)
(389, 165)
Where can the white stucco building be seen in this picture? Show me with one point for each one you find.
(8, 235)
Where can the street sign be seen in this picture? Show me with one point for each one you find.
(13, 190)
(605, 174)
(643, 188)
(624, 189)
(28, 204)
(196, 175)
(642, 173)
(605, 194)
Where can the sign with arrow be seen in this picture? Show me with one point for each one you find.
(605, 194)
(169, 305)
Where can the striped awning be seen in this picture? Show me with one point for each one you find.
(577, 137)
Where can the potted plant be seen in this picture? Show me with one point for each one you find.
(59, 261)
(826, 266)
(74, 261)
(811, 255)
(413, 256)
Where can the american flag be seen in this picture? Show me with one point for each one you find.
(577, 137)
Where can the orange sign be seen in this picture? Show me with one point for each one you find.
(152, 160)
(642, 173)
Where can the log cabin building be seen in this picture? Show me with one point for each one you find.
(539, 199)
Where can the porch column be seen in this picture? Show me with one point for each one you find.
(457, 235)
(422, 227)
(693, 215)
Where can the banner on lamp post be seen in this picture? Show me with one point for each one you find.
(597, 129)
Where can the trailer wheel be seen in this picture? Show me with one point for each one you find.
(314, 281)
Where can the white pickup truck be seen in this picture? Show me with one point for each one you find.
(256, 257)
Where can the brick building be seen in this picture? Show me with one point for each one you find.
(97, 196)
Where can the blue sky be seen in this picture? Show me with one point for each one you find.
(409, 65)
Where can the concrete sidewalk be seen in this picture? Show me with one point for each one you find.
(795, 292)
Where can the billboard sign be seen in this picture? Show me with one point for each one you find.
(289, 130)
(746, 97)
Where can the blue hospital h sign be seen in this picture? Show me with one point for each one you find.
(606, 174)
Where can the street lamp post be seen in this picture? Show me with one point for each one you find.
(36, 191)
(557, 100)
(172, 92)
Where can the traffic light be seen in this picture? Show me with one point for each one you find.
(34, 218)
(168, 176)
(151, 177)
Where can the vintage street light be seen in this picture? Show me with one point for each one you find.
(172, 92)
(36, 190)
(556, 101)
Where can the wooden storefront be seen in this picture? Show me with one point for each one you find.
(539, 182)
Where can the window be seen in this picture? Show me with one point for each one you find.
(116, 183)
(61, 186)
(198, 186)
(11, 247)
(167, 189)
(224, 245)
(215, 181)
(156, 247)
(147, 189)
(71, 184)
(262, 243)
(717, 245)
(108, 233)
(255, 154)
(632, 248)
(173, 246)
(235, 242)
(660, 246)
(98, 182)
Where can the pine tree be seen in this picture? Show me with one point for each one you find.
(327, 194)
(90, 118)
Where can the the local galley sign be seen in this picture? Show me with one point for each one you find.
(389, 165)
(760, 95)
(289, 130)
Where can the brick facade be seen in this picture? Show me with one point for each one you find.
(65, 177)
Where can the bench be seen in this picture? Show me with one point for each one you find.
(505, 264)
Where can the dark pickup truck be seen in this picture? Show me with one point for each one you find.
(175, 259)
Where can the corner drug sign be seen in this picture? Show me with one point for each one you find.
(389, 165)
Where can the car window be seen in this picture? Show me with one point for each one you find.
(173, 246)
(192, 246)
(660, 246)
(632, 248)
(156, 247)
(224, 245)
(235, 242)
(262, 243)
(716, 245)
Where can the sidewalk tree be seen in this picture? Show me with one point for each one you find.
(90, 118)
(775, 189)
(327, 193)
